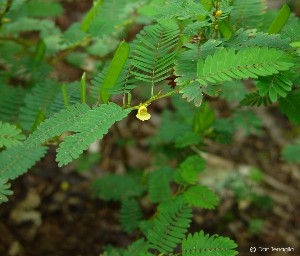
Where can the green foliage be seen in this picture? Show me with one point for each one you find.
(248, 13)
(200, 244)
(201, 196)
(233, 91)
(11, 100)
(254, 99)
(275, 86)
(111, 17)
(246, 63)
(159, 185)
(153, 56)
(37, 9)
(17, 160)
(117, 188)
(37, 104)
(291, 152)
(175, 215)
(114, 70)
(280, 20)
(90, 127)
(59, 123)
(10, 135)
(189, 170)
(130, 214)
(251, 37)
(203, 119)
(290, 106)
(4, 190)
(205, 48)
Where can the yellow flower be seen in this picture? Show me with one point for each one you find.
(143, 114)
(218, 13)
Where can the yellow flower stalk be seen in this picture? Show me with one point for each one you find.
(142, 113)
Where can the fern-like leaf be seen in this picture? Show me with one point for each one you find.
(254, 99)
(92, 126)
(290, 106)
(112, 16)
(249, 38)
(138, 248)
(73, 94)
(201, 244)
(11, 100)
(10, 135)
(186, 64)
(38, 102)
(4, 190)
(159, 185)
(180, 9)
(189, 169)
(248, 13)
(193, 92)
(130, 214)
(57, 124)
(117, 188)
(292, 30)
(274, 86)
(170, 226)
(201, 196)
(251, 62)
(153, 55)
(17, 160)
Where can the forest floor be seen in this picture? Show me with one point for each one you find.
(53, 212)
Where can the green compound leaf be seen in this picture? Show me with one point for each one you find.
(170, 226)
(189, 169)
(153, 56)
(254, 99)
(114, 71)
(201, 196)
(201, 244)
(290, 106)
(17, 160)
(10, 135)
(130, 214)
(117, 187)
(4, 190)
(92, 126)
(159, 185)
(193, 92)
(275, 86)
(252, 62)
(57, 124)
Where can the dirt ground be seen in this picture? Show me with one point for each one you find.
(52, 211)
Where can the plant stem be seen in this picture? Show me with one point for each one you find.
(5, 10)
(156, 97)
(65, 95)
(83, 87)
(71, 48)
